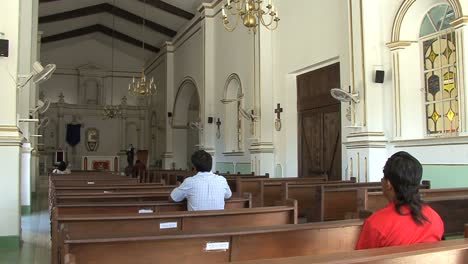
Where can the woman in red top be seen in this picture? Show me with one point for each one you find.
(406, 220)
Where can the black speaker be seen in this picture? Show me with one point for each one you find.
(169, 114)
(379, 76)
(3, 47)
(210, 120)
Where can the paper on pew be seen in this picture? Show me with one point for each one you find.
(90, 182)
(145, 211)
(168, 225)
(216, 246)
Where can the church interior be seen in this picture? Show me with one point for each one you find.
(299, 103)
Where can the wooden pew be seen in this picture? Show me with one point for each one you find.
(444, 252)
(169, 222)
(155, 207)
(330, 200)
(256, 186)
(112, 189)
(132, 197)
(94, 182)
(452, 209)
(236, 244)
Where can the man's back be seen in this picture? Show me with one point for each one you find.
(204, 191)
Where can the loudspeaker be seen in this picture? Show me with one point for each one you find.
(210, 120)
(169, 114)
(3, 47)
(379, 76)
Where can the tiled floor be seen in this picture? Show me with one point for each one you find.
(36, 234)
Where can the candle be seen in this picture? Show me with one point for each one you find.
(229, 2)
(276, 13)
(246, 6)
(224, 12)
(269, 2)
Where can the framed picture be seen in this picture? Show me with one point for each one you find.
(92, 139)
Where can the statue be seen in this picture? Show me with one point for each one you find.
(130, 155)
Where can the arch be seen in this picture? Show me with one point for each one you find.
(187, 90)
(403, 13)
(233, 122)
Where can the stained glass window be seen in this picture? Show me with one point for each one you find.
(440, 71)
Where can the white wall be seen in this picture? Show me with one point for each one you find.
(94, 50)
(312, 34)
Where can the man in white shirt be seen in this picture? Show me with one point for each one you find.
(205, 190)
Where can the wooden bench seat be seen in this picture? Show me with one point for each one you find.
(135, 197)
(94, 182)
(194, 247)
(444, 252)
(99, 225)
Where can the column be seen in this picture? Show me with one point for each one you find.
(168, 154)
(10, 138)
(262, 148)
(208, 136)
(25, 178)
(461, 31)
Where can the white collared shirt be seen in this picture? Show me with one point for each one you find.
(204, 191)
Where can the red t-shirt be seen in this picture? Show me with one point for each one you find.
(387, 228)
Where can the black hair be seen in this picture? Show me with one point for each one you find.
(62, 166)
(202, 161)
(404, 173)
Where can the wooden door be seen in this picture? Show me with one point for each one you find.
(319, 121)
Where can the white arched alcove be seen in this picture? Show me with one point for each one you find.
(186, 123)
(233, 122)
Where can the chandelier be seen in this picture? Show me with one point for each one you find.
(142, 87)
(251, 13)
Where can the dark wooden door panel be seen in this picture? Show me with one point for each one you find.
(319, 127)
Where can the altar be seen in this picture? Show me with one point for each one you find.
(100, 163)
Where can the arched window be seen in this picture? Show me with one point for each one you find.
(439, 50)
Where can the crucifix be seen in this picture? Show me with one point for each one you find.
(278, 112)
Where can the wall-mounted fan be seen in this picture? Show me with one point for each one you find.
(250, 116)
(195, 125)
(39, 74)
(343, 96)
(43, 122)
(42, 107)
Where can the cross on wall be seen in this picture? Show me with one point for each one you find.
(278, 111)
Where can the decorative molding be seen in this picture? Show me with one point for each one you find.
(6, 128)
(399, 44)
(366, 134)
(363, 62)
(261, 147)
(428, 142)
(459, 22)
(167, 155)
(234, 154)
(405, 6)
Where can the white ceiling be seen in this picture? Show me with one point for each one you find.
(121, 25)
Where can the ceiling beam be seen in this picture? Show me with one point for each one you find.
(106, 7)
(169, 8)
(100, 29)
